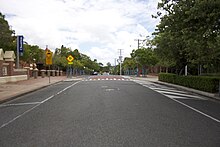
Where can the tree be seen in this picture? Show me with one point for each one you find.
(32, 54)
(144, 57)
(128, 65)
(188, 32)
(6, 38)
(76, 54)
(59, 58)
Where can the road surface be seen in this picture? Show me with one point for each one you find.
(110, 111)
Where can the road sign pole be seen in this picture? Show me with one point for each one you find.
(49, 73)
(71, 72)
(70, 59)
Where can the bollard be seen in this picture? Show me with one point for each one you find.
(61, 73)
(43, 73)
(35, 72)
(57, 72)
(53, 73)
(48, 73)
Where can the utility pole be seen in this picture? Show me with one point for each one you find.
(120, 59)
(115, 66)
(138, 40)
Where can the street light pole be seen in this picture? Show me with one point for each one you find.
(17, 59)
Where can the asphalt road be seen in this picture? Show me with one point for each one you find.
(111, 112)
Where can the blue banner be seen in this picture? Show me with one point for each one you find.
(20, 44)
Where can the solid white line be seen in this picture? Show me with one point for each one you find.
(12, 120)
(47, 99)
(20, 104)
(200, 112)
(215, 119)
(5, 124)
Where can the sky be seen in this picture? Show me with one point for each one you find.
(97, 28)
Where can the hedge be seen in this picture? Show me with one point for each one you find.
(203, 83)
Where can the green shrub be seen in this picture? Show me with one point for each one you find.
(203, 83)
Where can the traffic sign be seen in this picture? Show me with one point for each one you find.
(70, 58)
(49, 55)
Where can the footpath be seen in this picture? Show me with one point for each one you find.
(154, 79)
(12, 90)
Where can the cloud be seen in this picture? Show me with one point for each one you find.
(96, 27)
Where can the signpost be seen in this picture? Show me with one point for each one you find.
(49, 56)
(70, 59)
(49, 62)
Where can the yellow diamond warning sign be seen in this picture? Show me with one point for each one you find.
(70, 58)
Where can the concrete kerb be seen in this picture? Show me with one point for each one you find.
(202, 93)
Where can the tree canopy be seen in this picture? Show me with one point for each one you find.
(6, 38)
(189, 33)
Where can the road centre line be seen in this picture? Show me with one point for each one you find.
(47, 99)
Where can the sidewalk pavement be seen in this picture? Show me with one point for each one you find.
(154, 79)
(12, 90)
